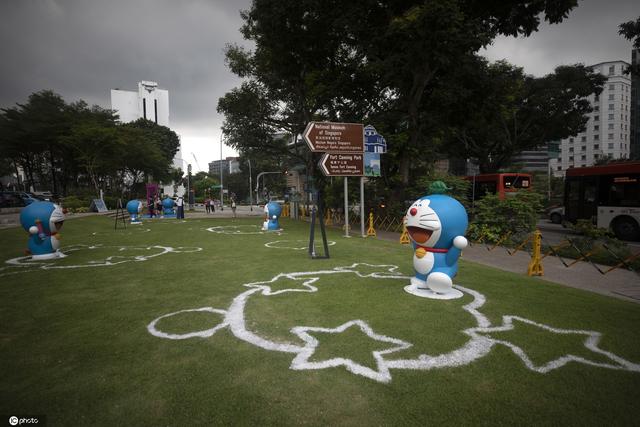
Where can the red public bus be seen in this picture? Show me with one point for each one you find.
(502, 184)
(608, 195)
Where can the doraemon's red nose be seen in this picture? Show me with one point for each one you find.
(413, 211)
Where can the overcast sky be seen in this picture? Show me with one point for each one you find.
(83, 48)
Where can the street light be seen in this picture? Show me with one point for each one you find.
(250, 187)
(258, 182)
(221, 184)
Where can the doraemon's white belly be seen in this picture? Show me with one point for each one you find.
(423, 265)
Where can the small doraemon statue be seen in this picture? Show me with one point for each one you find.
(272, 211)
(134, 207)
(43, 221)
(436, 225)
(167, 207)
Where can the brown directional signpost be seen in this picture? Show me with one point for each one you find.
(342, 164)
(332, 137)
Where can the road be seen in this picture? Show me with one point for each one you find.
(554, 233)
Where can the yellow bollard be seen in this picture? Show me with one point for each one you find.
(535, 265)
(404, 237)
(371, 231)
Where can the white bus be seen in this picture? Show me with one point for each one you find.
(609, 195)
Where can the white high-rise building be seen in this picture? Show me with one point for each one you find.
(150, 103)
(607, 132)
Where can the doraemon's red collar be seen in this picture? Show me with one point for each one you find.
(436, 250)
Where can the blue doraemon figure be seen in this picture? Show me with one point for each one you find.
(167, 207)
(272, 211)
(43, 221)
(436, 225)
(134, 207)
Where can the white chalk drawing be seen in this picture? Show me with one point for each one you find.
(301, 361)
(241, 229)
(591, 341)
(296, 245)
(121, 254)
(478, 345)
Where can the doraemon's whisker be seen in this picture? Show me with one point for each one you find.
(428, 214)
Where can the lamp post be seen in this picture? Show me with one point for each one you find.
(258, 182)
(221, 184)
(250, 187)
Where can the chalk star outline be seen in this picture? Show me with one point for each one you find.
(268, 291)
(382, 374)
(591, 341)
(390, 271)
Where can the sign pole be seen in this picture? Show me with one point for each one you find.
(346, 208)
(362, 207)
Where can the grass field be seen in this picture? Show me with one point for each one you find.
(91, 339)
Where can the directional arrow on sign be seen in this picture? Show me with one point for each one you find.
(342, 164)
(335, 137)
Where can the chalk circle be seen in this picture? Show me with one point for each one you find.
(202, 334)
(278, 244)
(238, 229)
(413, 289)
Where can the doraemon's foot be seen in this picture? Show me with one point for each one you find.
(420, 284)
(439, 283)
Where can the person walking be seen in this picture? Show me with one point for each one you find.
(207, 205)
(213, 205)
(233, 207)
(180, 205)
(158, 203)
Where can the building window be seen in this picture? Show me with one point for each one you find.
(596, 137)
(155, 109)
(571, 140)
(596, 108)
(583, 139)
(596, 118)
(612, 87)
(596, 146)
(571, 149)
(611, 97)
(583, 148)
(144, 108)
(610, 116)
(596, 127)
(583, 157)
(611, 146)
(612, 69)
(596, 98)
(559, 168)
(596, 156)
(571, 158)
(610, 125)
(610, 106)
(610, 136)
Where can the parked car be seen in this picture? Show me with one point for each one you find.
(45, 195)
(556, 215)
(29, 197)
(11, 199)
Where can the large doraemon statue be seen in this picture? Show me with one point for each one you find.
(167, 207)
(436, 225)
(272, 211)
(43, 221)
(134, 207)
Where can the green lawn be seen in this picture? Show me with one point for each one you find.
(334, 341)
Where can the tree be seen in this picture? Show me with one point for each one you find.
(630, 30)
(502, 111)
(352, 60)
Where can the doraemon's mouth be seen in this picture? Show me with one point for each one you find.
(419, 235)
(58, 225)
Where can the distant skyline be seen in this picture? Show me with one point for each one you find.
(82, 49)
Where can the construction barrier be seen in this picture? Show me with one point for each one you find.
(371, 231)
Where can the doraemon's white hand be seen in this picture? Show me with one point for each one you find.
(460, 242)
(33, 230)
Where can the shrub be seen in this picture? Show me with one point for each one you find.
(494, 218)
(73, 202)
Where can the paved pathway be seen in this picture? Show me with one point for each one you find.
(620, 283)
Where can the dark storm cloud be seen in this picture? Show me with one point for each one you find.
(589, 35)
(82, 49)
